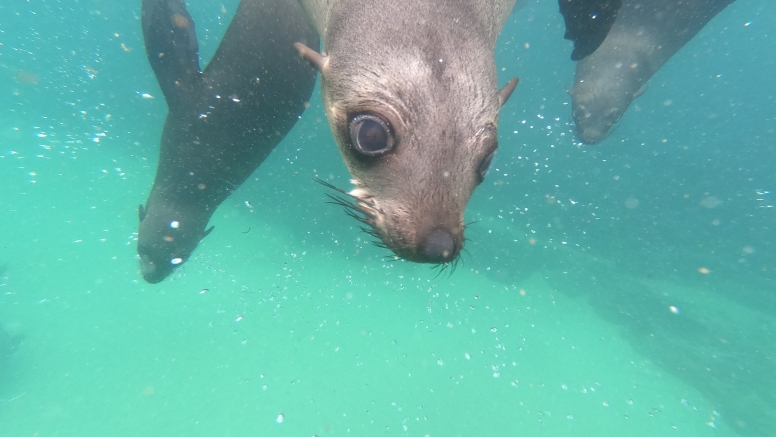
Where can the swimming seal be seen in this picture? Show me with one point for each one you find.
(644, 36)
(223, 122)
(410, 92)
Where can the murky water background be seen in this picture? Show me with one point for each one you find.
(625, 288)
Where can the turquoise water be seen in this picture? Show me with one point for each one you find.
(622, 289)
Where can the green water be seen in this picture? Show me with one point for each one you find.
(581, 307)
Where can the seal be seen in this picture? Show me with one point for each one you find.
(410, 92)
(587, 23)
(222, 123)
(644, 36)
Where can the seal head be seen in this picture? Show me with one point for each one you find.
(410, 92)
(605, 85)
(165, 244)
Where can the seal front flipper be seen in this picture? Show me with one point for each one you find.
(172, 49)
(587, 23)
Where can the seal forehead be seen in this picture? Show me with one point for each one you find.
(415, 88)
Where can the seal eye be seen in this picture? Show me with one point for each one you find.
(370, 135)
(485, 165)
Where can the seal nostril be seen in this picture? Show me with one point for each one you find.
(439, 246)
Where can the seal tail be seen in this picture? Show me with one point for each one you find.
(172, 49)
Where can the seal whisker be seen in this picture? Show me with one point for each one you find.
(440, 268)
(337, 200)
(351, 209)
(333, 187)
(378, 243)
(355, 207)
(371, 233)
(355, 215)
(455, 264)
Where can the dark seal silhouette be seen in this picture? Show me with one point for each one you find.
(643, 38)
(222, 122)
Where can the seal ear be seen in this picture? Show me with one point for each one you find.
(208, 231)
(505, 92)
(141, 212)
(315, 59)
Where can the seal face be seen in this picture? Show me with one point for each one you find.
(166, 244)
(410, 92)
(605, 85)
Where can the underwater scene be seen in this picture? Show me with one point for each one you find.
(618, 287)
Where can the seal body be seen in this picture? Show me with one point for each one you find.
(410, 92)
(644, 36)
(222, 122)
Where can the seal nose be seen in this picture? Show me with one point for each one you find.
(439, 246)
(150, 271)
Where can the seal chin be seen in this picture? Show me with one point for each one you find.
(154, 267)
(151, 271)
(591, 135)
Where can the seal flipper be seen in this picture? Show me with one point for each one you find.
(587, 23)
(172, 49)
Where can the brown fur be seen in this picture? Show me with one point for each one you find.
(427, 68)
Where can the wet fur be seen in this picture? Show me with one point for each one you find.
(384, 57)
(644, 37)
